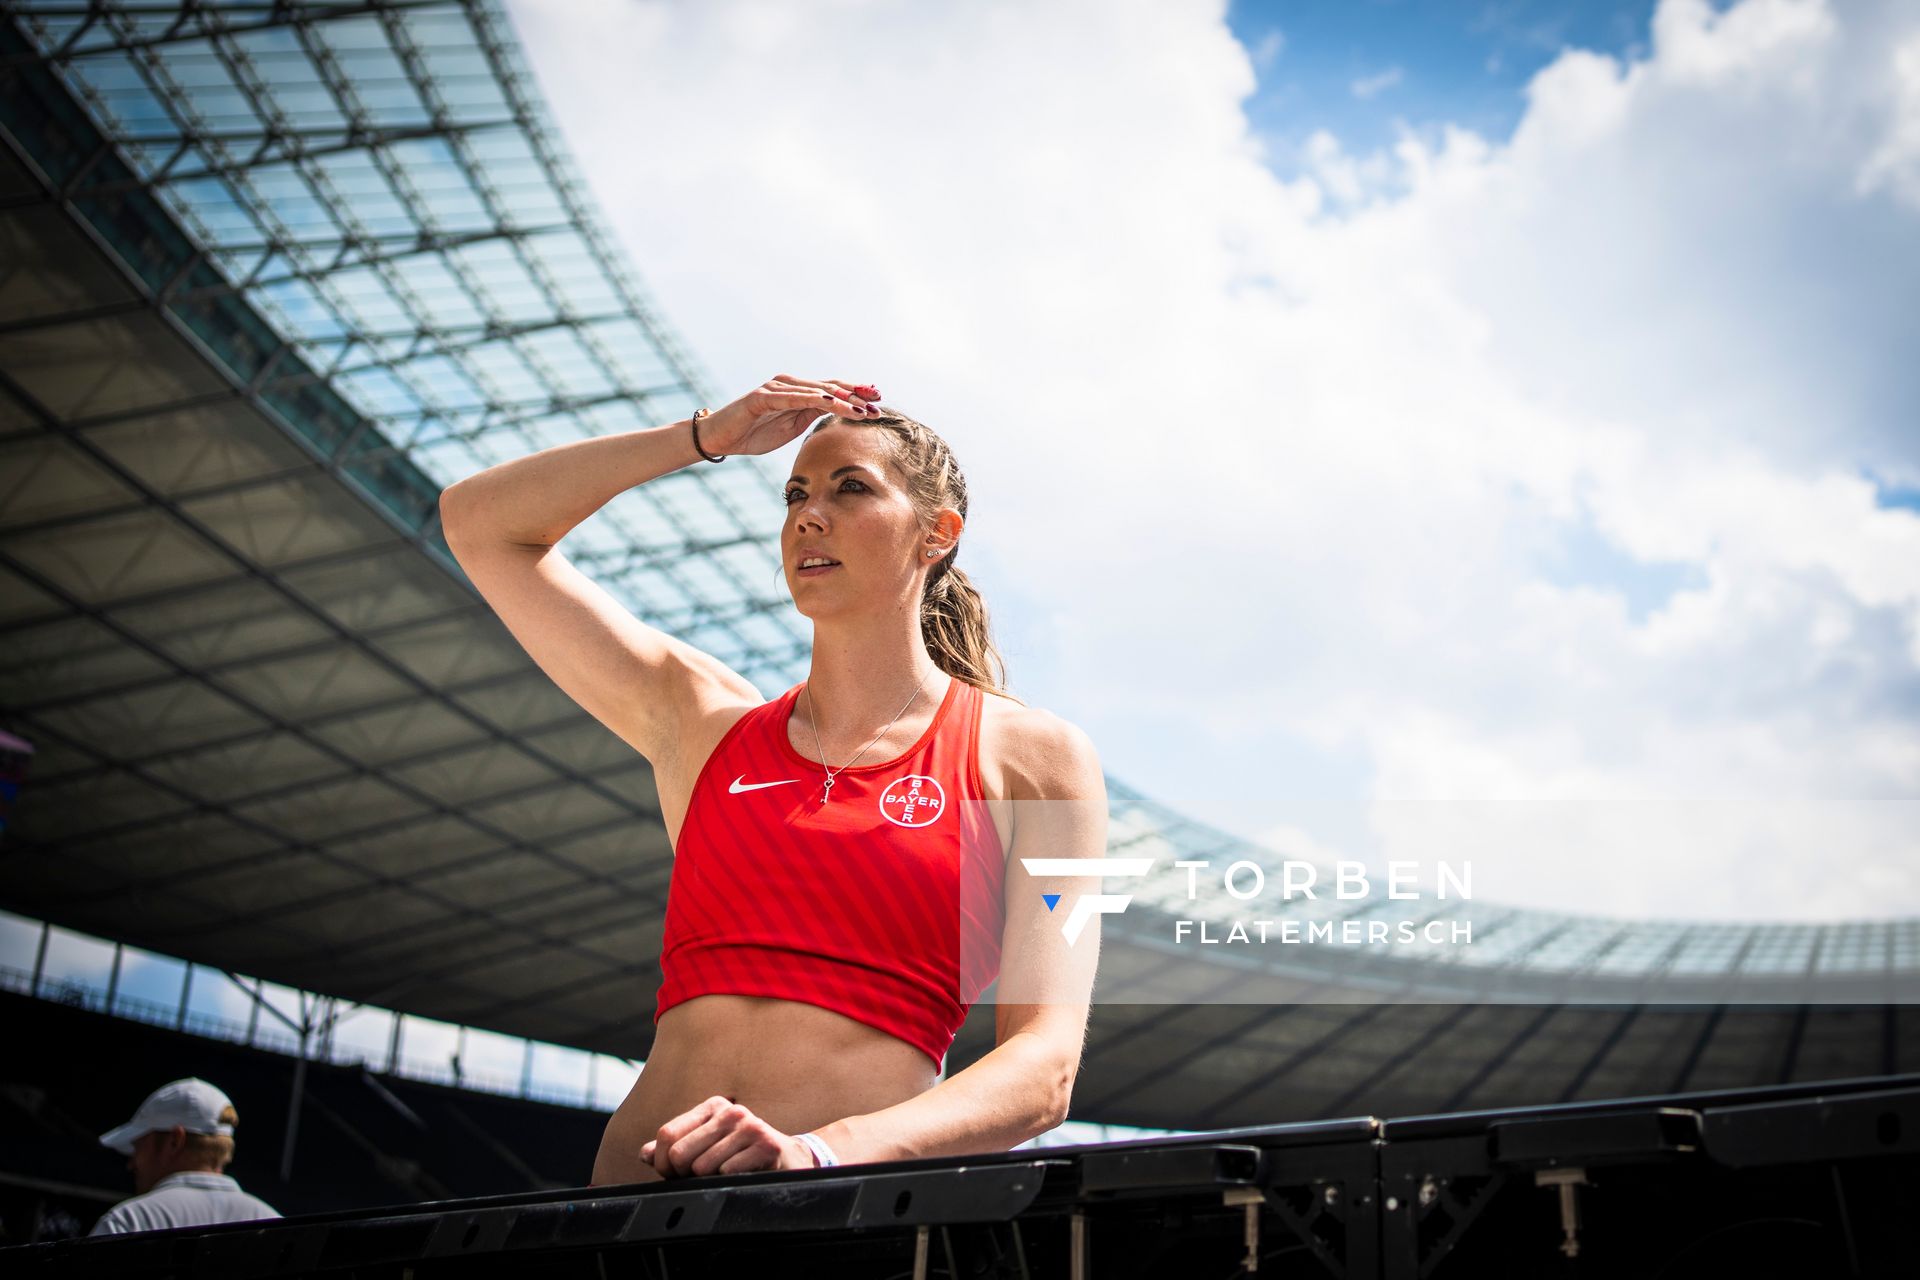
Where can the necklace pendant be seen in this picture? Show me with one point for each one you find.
(827, 791)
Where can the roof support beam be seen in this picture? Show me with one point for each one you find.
(276, 13)
(273, 146)
(1365, 1015)
(404, 674)
(1357, 1093)
(1527, 1030)
(1699, 1048)
(1790, 1054)
(1599, 1054)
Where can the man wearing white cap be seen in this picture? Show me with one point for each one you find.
(177, 1144)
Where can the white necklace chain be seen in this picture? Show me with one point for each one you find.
(827, 789)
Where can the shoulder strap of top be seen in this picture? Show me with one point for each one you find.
(971, 711)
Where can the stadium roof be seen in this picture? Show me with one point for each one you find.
(278, 273)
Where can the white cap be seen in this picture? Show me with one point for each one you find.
(192, 1104)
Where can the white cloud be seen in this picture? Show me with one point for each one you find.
(1895, 163)
(1267, 472)
(1270, 46)
(1379, 82)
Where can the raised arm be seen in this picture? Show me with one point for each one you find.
(503, 526)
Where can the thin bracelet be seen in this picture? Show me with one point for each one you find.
(695, 423)
(823, 1156)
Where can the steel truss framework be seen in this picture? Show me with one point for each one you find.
(277, 273)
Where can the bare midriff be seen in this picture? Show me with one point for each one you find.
(797, 1066)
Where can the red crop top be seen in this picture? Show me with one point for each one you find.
(871, 903)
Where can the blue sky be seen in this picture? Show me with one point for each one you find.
(1355, 68)
(1535, 487)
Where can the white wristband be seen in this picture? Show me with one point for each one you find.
(822, 1153)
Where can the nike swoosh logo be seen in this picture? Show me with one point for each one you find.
(741, 784)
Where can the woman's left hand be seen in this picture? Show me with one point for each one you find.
(721, 1136)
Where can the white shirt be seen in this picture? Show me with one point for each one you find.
(184, 1200)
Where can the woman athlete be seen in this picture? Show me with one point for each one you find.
(804, 1012)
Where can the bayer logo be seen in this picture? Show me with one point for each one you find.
(912, 801)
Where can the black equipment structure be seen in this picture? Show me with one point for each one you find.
(1788, 1181)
